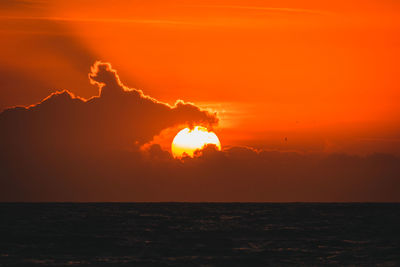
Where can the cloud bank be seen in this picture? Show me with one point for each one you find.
(67, 148)
(118, 118)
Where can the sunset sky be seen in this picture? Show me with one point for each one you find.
(301, 76)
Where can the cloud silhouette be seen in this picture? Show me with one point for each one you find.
(67, 148)
(118, 118)
(235, 174)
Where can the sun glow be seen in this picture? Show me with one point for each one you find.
(187, 141)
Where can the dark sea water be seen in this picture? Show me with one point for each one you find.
(206, 234)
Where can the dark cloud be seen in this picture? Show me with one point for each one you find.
(119, 118)
(236, 174)
(66, 148)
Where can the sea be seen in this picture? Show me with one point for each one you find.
(199, 234)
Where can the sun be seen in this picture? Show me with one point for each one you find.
(189, 140)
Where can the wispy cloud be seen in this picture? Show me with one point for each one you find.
(163, 21)
(271, 9)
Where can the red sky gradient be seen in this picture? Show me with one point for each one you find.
(305, 79)
(324, 75)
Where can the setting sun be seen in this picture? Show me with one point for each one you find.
(189, 140)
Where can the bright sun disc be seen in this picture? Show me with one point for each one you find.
(189, 140)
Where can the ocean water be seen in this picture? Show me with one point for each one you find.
(199, 234)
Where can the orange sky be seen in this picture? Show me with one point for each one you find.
(324, 75)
